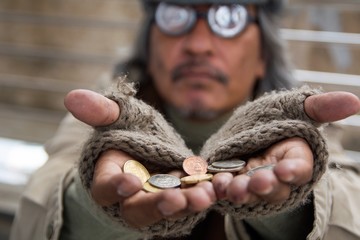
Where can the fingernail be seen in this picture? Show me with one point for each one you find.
(266, 190)
(164, 209)
(122, 192)
(289, 178)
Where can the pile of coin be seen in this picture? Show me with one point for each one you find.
(196, 168)
(152, 183)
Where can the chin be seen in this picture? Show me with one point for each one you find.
(197, 109)
(198, 114)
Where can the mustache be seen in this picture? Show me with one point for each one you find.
(183, 69)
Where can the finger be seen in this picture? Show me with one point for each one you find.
(265, 184)
(200, 197)
(92, 108)
(294, 171)
(331, 106)
(237, 191)
(109, 189)
(143, 209)
(221, 182)
(110, 184)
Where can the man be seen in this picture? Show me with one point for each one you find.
(197, 63)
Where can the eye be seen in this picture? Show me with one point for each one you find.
(223, 16)
(174, 19)
(227, 20)
(175, 16)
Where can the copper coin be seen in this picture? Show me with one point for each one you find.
(195, 165)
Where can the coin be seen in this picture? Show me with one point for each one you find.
(136, 168)
(149, 188)
(252, 171)
(228, 164)
(195, 165)
(217, 170)
(192, 179)
(164, 181)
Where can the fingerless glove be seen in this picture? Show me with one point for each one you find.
(143, 133)
(258, 125)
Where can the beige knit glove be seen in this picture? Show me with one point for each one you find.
(258, 125)
(144, 134)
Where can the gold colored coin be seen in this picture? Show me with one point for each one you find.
(149, 188)
(195, 165)
(193, 179)
(136, 168)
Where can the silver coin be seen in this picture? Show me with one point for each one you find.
(164, 181)
(252, 171)
(217, 170)
(228, 164)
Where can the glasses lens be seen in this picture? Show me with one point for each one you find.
(173, 19)
(227, 21)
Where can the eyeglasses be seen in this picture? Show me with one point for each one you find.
(226, 21)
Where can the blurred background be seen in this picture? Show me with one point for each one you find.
(49, 47)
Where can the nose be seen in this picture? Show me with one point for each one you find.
(199, 41)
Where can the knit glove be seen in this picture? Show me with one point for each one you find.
(258, 125)
(144, 134)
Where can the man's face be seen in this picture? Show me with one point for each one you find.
(203, 75)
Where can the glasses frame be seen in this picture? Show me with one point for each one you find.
(209, 15)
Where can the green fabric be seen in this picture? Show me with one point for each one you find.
(194, 133)
(80, 224)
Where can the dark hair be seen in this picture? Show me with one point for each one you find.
(278, 71)
(278, 68)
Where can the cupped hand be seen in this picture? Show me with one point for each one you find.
(293, 165)
(111, 185)
(293, 159)
(140, 208)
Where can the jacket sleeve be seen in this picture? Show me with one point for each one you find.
(337, 196)
(39, 213)
(83, 220)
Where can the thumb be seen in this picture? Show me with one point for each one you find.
(92, 108)
(331, 106)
